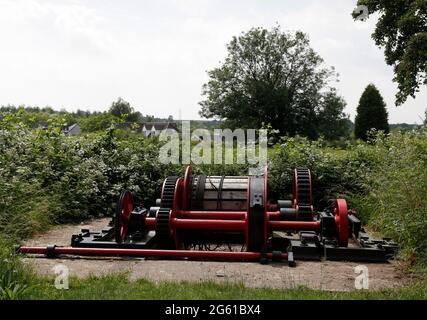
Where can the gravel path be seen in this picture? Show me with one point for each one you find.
(328, 275)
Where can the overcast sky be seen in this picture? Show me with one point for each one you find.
(84, 54)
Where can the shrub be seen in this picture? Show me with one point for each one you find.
(385, 180)
(397, 201)
(47, 177)
(335, 172)
(14, 280)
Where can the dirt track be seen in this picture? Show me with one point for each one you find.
(331, 276)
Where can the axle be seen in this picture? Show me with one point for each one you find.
(231, 225)
(222, 215)
(295, 226)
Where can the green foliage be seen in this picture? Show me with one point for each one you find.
(385, 180)
(336, 172)
(371, 113)
(122, 109)
(14, 280)
(397, 202)
(403, 127)
(47, 177)
(11, 289)
(402, 31)
(332, 122)
(119, 286)
(260, 82)
(90, 122)
(30, 116)
(98, 122)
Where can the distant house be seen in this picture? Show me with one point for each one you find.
(41, 124)
(73, 130)
(148, 129)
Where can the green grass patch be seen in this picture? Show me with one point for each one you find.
(118, 286)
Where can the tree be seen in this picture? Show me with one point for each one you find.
(402, 31)
(98, 121)
(332, 122)
(135, 117)
(268, 77)
(371, 113)
(121, 108)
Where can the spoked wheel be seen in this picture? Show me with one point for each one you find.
(122, 216)
(341, 222)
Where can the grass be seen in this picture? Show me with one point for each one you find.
(118, 286)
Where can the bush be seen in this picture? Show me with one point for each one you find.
(335, 172)
(14, 280)
(47, 177)
(397, 202)
(385, 180)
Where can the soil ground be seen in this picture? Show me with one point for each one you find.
(326, 275)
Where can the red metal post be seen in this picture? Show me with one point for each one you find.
(223, 255)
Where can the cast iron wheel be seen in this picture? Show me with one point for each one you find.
(122, 216)
(341, 222)
(302, 193)
(163, 233)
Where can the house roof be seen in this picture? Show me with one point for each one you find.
(73, 126)
(160, 125)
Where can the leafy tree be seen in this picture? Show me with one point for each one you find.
(29, 116)
(268, 76)
(402, 31)
(149, 118)
(332, 122)
(371, 113)
(81, 114)
(98, 122)
(135, 117)
(121, 108)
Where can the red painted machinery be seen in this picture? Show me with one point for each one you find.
(230, 218)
